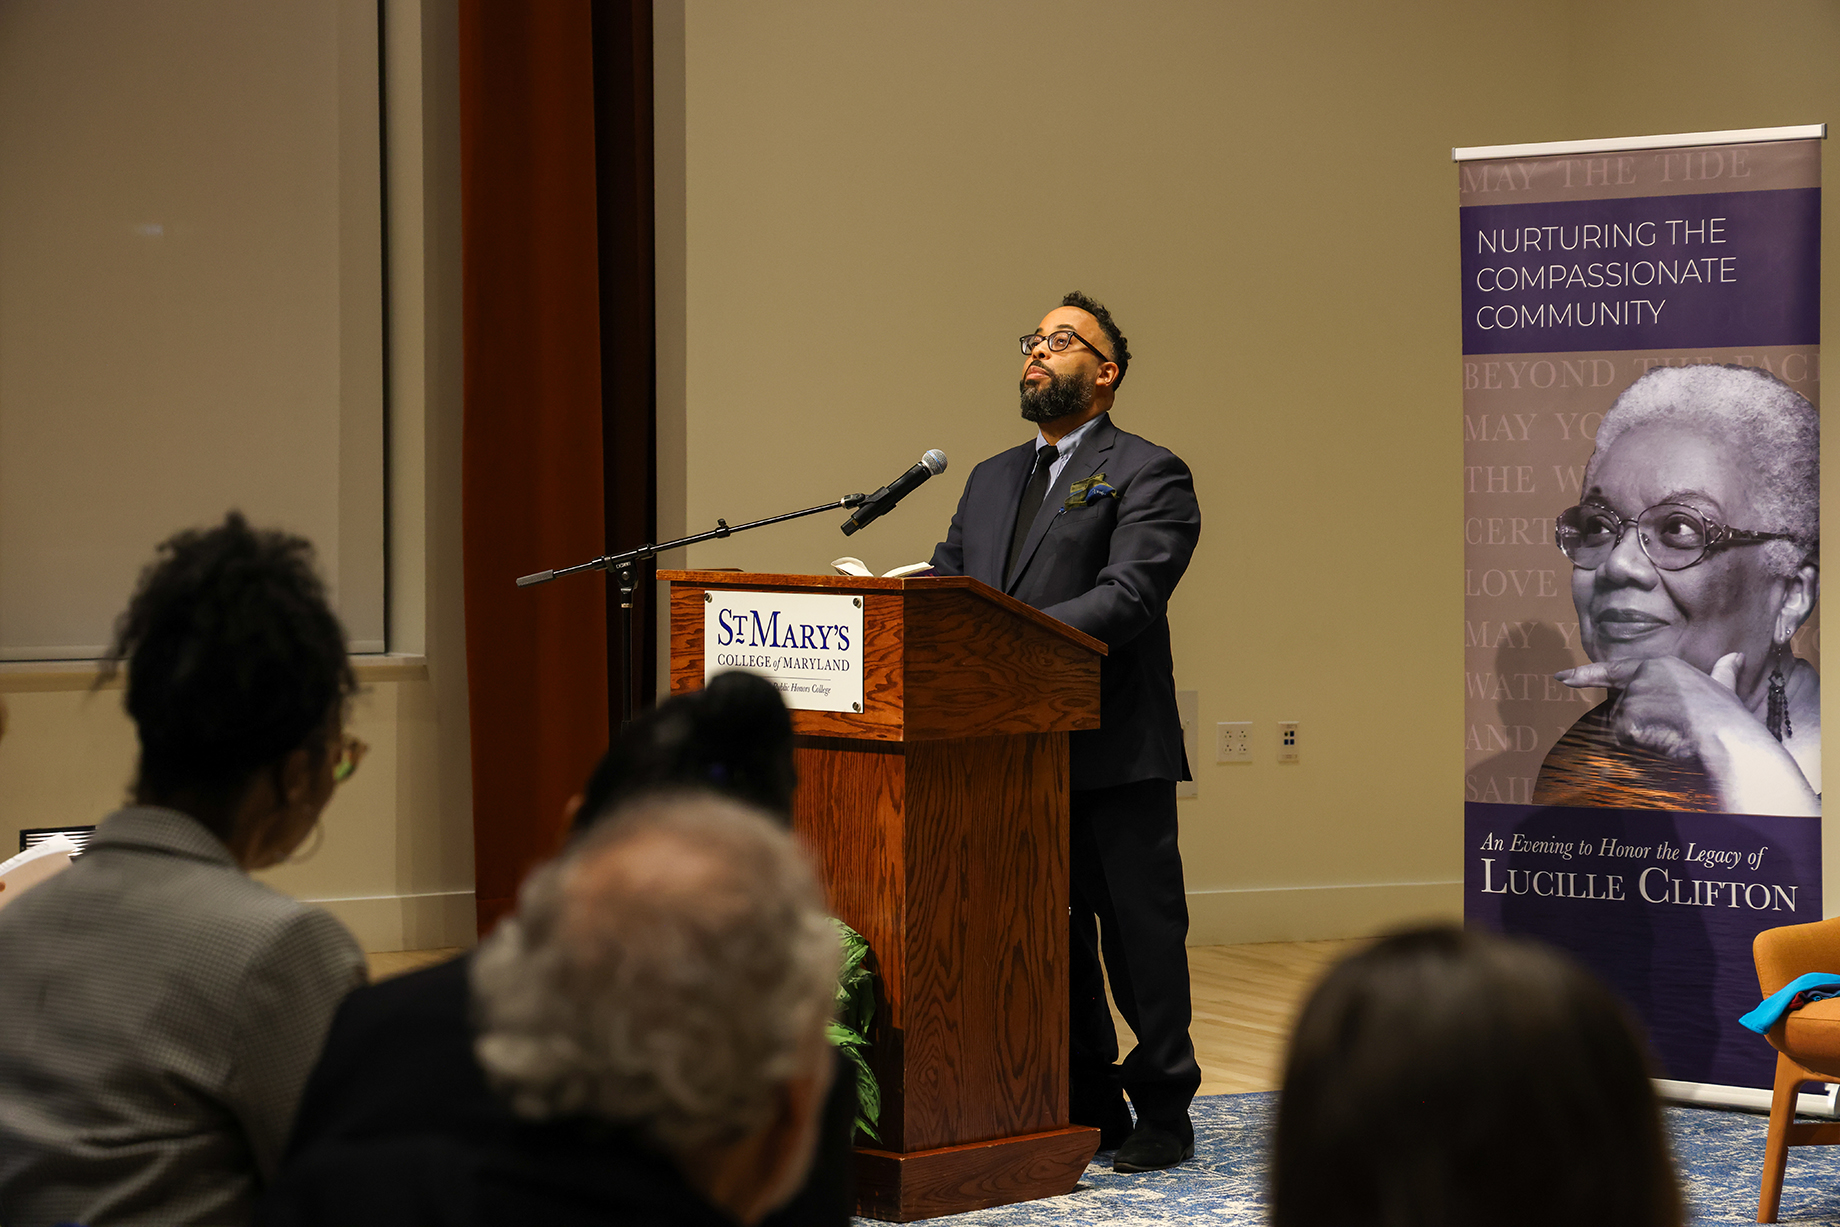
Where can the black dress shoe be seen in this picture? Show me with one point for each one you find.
(1154, 1146)
(1104, 1111)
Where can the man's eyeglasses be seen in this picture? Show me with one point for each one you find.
(351, 753)
(1673, 536)
(1057, 340)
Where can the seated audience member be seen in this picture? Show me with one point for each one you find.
(160, 1009)
(734, 736)
(654, 1014)
(1444, 1078)
(399, 1062)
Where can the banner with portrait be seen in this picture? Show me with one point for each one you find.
(1641, 515)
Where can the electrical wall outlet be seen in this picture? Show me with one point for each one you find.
(1287, 741)
(1233, 743)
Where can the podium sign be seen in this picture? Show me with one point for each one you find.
(810, 646)
(938, 815)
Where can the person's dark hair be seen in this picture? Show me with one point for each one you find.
(235, 661)
(1121, 353)
(1444, 1078)
(733, 737)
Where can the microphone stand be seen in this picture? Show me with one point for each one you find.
(625, 569)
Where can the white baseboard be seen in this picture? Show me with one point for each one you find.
(1749, 1098)
(1314, 913)
(407, 922)
(1216, 917)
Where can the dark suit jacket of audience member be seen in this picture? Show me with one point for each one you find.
(1106, 567)
(572, 1173)
(397, 1083)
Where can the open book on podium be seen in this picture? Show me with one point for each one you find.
(931, 717)
(857, 567)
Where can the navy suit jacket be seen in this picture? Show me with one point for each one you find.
(1107, 568)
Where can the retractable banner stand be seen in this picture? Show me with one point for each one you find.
(1641, 511)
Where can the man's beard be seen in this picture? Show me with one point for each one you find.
(1060, 396)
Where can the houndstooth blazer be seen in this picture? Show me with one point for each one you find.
(159, 1013)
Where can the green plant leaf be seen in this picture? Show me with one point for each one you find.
(868, 1101)
(850, 1032)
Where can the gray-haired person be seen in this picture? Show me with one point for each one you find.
(1695, 553)
(654, 1014)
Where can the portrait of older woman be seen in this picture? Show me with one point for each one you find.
(1695, 552)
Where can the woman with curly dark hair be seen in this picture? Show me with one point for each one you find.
(161, 1009)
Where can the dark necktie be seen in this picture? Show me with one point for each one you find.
(1030, 506)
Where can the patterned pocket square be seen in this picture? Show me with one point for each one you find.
(1087, 491)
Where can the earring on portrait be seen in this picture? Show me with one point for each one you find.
(1777, 720)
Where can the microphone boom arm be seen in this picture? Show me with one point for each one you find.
(627, 560)
(625, 568)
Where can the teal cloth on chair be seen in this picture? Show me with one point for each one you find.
(1783, 1000)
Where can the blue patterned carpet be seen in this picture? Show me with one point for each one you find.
(1720, 1154)
(1721, 1157)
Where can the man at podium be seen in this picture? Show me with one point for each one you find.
(1095, 526)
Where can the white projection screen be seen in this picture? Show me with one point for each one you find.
(191, 298)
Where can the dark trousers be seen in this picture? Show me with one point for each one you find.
(1129, 906)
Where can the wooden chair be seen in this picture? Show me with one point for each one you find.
(1807, 1043)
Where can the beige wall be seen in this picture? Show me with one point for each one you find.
(876, 198)
(395, 862)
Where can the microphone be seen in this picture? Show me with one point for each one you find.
(882, 501)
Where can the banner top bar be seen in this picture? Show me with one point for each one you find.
(1735, 136)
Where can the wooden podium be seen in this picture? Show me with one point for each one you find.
(939, 816)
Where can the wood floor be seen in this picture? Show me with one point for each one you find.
(1246, 998)
(400, 962)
